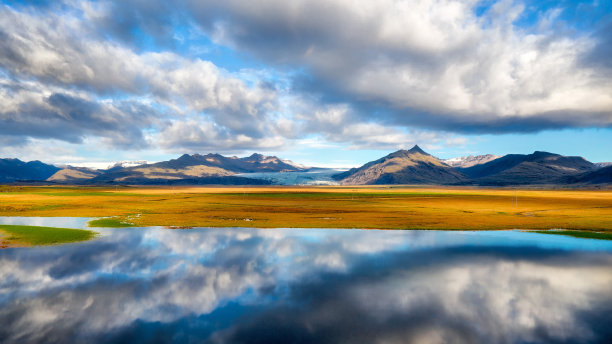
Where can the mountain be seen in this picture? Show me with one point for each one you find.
(471, 160)
(126, 163)
(536, 168)
(198, 169)
(73, 175)
(603, 164)
(412, 166)
(217, 162)
(599, 176)
(16, 170)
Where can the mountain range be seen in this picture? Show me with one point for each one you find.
(14, 170)
(522, 169)
(413, 166)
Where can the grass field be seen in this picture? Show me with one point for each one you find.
(319, 207)
(13, 235)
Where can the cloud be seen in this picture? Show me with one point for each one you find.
(433, 64)
(340, 123)
(599, 56)
(121, 94)
(31, 110)
(394, 72)
(204, 135)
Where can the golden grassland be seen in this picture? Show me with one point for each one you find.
(320, 207)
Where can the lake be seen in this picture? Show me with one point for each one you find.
(141, 285)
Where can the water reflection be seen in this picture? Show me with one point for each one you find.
(308, 286)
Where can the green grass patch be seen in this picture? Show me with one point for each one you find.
(109, 222)
(579, 234)
(34, 235)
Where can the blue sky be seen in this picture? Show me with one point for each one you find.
(320, 82)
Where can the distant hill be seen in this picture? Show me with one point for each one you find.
(16, 170)
(599, 176)
(198, 169)
(603, 164)
(520, 169)
(471, 160)
(73, 175)
(412, 166)
(253, 163)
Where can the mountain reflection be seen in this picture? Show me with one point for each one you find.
(308, 286)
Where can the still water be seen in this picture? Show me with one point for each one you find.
(307, 286)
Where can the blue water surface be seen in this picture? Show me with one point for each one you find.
(245, 285)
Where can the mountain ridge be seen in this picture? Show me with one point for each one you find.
(413, 166)
(520, 169)
(12, 169)
(201, 169)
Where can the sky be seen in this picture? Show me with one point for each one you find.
(321, 82)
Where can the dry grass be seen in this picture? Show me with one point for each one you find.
(325, 207)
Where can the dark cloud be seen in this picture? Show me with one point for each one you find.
(28, 113)
(137, 22)
(599, 56)
(488, 124)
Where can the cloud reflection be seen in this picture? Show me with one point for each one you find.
(264, 286)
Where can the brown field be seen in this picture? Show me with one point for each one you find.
(320, 207)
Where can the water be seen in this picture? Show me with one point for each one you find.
(320, 176)
(308, 286)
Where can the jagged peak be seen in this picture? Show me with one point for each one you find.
(405, 153)
(257, 156)
(215, 155)
(417, 149)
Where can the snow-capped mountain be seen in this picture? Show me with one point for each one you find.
(471, 160)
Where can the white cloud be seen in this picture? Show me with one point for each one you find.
(369, 74)
(55, 53)
(422, 58)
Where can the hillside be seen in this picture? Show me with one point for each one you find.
(412, 166)
(600, 176)
(196, 169)
(73, 175)
(16, 170)
(521, 169)
(603, 164)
